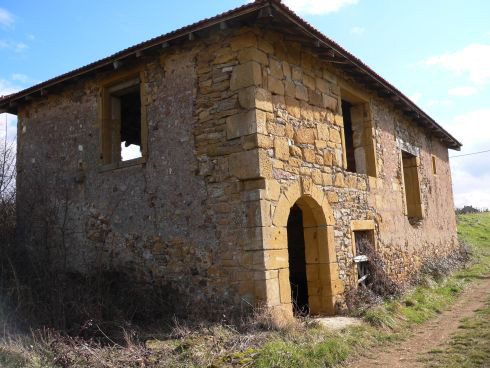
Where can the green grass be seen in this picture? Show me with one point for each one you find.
(475, 230)
(281, 353)
(11, 359)
(469, 347)
(314, 347)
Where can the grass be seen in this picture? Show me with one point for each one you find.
(252, 345)
(470, 347)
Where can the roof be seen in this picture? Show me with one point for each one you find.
(274, 9)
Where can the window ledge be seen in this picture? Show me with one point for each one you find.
(141, 161)
(415, 221)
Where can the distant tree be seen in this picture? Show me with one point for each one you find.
(7, 183)
(469, 209)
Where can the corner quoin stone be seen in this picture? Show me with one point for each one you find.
(246, 75)
(250, 122)
(255, 98)
(251, 164)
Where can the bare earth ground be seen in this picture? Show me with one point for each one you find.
(430, 335)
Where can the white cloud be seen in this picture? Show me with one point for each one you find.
(318, 7)
(22, 78)
(472, 128)
(357, 30)
(462, 91)
(432, 103)
(470, 190)
(6, 18)
(16, 46)
(416, 97)
(6, 87)
(20, 46)
(8, 126)
(472, 60)
(471, 174)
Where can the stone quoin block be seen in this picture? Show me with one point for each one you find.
(246, 75)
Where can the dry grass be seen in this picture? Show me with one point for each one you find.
(185, 345)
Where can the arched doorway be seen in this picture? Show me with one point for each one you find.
(297, 262)
(310, 267)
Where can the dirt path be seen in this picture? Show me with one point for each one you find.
(430, 335)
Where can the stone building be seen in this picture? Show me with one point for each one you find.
(245, 159)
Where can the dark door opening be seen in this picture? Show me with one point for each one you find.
(297, 261)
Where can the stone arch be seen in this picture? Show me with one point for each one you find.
(321, 260)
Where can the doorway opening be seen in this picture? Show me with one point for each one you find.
(297, 262)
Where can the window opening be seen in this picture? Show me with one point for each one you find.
(412, 185)
(126, 104)
(122, 122)
(434, 167)
(349, 136)
(364, 241)
(359, 145)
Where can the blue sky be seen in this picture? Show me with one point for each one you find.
(436, 52)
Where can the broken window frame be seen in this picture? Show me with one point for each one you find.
(361, 261)
(362, 133)
(110, 134)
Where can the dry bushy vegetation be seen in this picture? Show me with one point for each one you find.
(379, 287)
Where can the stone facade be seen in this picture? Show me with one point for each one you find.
(242, 124)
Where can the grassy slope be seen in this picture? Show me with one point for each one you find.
(223, 346)
(470, 347)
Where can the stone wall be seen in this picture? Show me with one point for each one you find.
(242, 124)
(178, 218)
(299, 124)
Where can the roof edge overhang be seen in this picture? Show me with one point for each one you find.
(328, 48)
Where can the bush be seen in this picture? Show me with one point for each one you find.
(440, 267)
(377, 286)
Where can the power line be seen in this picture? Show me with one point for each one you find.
(471, 154)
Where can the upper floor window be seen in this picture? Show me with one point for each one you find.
(123, 127)
(349, 137)
(411, 181)
(359, 144)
